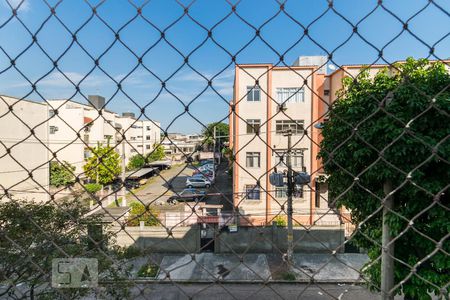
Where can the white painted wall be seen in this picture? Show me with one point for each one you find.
(28, 151)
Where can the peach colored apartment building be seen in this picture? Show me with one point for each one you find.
(257, 122)
(259, 89)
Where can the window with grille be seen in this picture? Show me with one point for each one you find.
(252, 192)
(253, 125)
(147, 138)
(290, 95)
(147, 147)
(253, 93)
(295, 125)
(296, 159)
(281, 192)
(253, 159)
(53, 129)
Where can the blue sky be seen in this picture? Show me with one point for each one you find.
(284, 35)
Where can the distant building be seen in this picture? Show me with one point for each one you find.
(179, 146)
(24, 167)
(79, 127)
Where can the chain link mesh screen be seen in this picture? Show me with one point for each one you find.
(79, 180)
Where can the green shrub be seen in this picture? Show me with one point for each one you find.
(280, 221)
(139, 212)
(93, 187)
(288, 276)
(148, 270)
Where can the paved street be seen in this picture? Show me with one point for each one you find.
(272, 291)
(157, 189)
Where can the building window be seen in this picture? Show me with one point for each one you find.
(296, 158)
(281, 192)
(53, 129)
(148, 128)
(295, 125)
(87, 153)
(253, 93)
(147, 147)
(132, 138)
(326, 92)
(133, 150)
(253, 125)
(140, 146)
(147, 137)
(298, 191)
(51, 113)
(252, 192)
(253, 159)
(290, 95)
(107, 137)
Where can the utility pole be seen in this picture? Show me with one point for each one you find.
(387, 247)
(123, 192)
(214, 153)
(290, 188)
(98, 162)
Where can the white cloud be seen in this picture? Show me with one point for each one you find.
(24, 4)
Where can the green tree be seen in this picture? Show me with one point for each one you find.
(106, 161)
(222, 132)
(136, 161)
(140, 212)
(33, 234)
(395, 128)
(61, 174)
(157, 153)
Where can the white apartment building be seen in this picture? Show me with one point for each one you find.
(77, 127)
(23, 154)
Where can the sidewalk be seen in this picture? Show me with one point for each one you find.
(208, 267)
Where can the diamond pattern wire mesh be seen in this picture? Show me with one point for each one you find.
(166, 231)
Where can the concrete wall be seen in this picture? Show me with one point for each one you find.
(273, 239)
(270, 239)
(156, 239)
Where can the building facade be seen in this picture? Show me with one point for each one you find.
(267, 101)
(79, 127)
(24, 157)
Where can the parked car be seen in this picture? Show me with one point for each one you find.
(207, 173)
(187, 195)
(208, 176)
(204, 168)
(129, 185)
(206, 161)
(197, 182)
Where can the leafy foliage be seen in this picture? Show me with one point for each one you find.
(280, 221)
(61, 174)
(222, 131)
(156, 154)
(106, 161)
(92, 187)
(139, 212)
(395, 127)
(35, 233)
(148, 270)
(136, 161)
